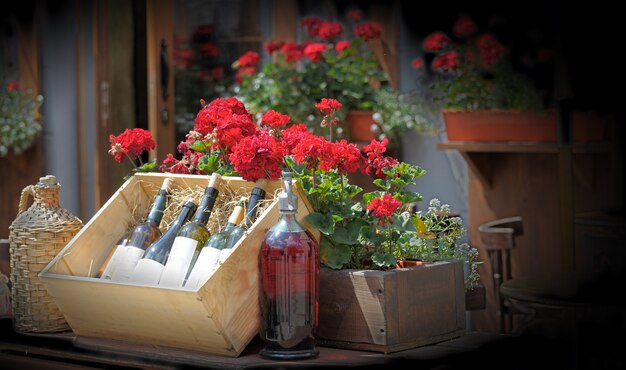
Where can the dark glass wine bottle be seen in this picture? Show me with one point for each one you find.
(190, 239)
(290, 267)
(150, 267)
(257, 194)
(210, 253)
(139, 239)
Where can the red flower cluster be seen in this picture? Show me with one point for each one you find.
(258, 156)
(314, 51)
(275, 119)
(376, 160)
(328, 106)
(452, 55)
(324, 31)
(329, 30)
(368, 31)
(436, 42)
(130, 143)
(464, 27)
(383, 208)
(225, 127)
(491, 50)
(249, 59)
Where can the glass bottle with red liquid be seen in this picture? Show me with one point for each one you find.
(290, 268)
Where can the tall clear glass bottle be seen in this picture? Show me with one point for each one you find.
(290, 267)
(210, 253)
(130, 250)
(190, 239)
(150, 267)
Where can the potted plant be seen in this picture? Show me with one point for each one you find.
(20, 119)
(484, 96)
(328, 64)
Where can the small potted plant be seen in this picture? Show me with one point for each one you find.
(20, 119)
(485, 96)
(327, 63)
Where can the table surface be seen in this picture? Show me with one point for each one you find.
(67, 351)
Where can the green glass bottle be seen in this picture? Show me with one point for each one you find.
(190, 239)
(257, 194)
(210, 253)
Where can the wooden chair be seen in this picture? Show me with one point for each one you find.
(498, 239)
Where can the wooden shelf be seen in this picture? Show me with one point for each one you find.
(478, 155)
(520, 147)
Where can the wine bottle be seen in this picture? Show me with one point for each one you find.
(210, 253)
(258, 193)
(113, 258)
(150, 267)
(139, 239)
(290, 266)
(190, 239)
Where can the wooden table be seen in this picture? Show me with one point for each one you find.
(67, 351)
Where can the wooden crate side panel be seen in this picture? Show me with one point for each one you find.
(84, 254)
(429, 299)
(134, 313)
(352, 306)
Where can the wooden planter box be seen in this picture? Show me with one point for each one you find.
(389, 311)
(221, 317)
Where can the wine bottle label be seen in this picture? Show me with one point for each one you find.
(114, 261)
(224, 253)
(129, 257)
(205, 264)
(178, 262)
(147, 271)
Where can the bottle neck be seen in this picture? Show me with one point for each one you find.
(206, 206)
(253, 204)
(156, 213)
(183, 216)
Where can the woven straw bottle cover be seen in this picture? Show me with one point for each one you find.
(36, 236)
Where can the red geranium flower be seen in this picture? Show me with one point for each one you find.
(383, 208)
(315, 51)
(258, 156)
(275, 119)
(130, 143)
(368, 31)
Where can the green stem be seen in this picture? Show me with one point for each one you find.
(389, 238)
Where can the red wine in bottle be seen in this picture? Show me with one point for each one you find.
(290, 267)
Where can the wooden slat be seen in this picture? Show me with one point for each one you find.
(160, 28)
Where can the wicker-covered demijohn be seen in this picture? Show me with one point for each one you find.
(36, 236)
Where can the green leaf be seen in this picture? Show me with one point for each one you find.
(147, 167)
(384, 260)
(348, 234)
(198, 146)
(324, 223)
(335, 256)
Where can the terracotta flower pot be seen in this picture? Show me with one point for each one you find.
(519, 126)
(359, 124)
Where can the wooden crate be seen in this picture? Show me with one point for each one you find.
(221, 317)
(389, 311)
